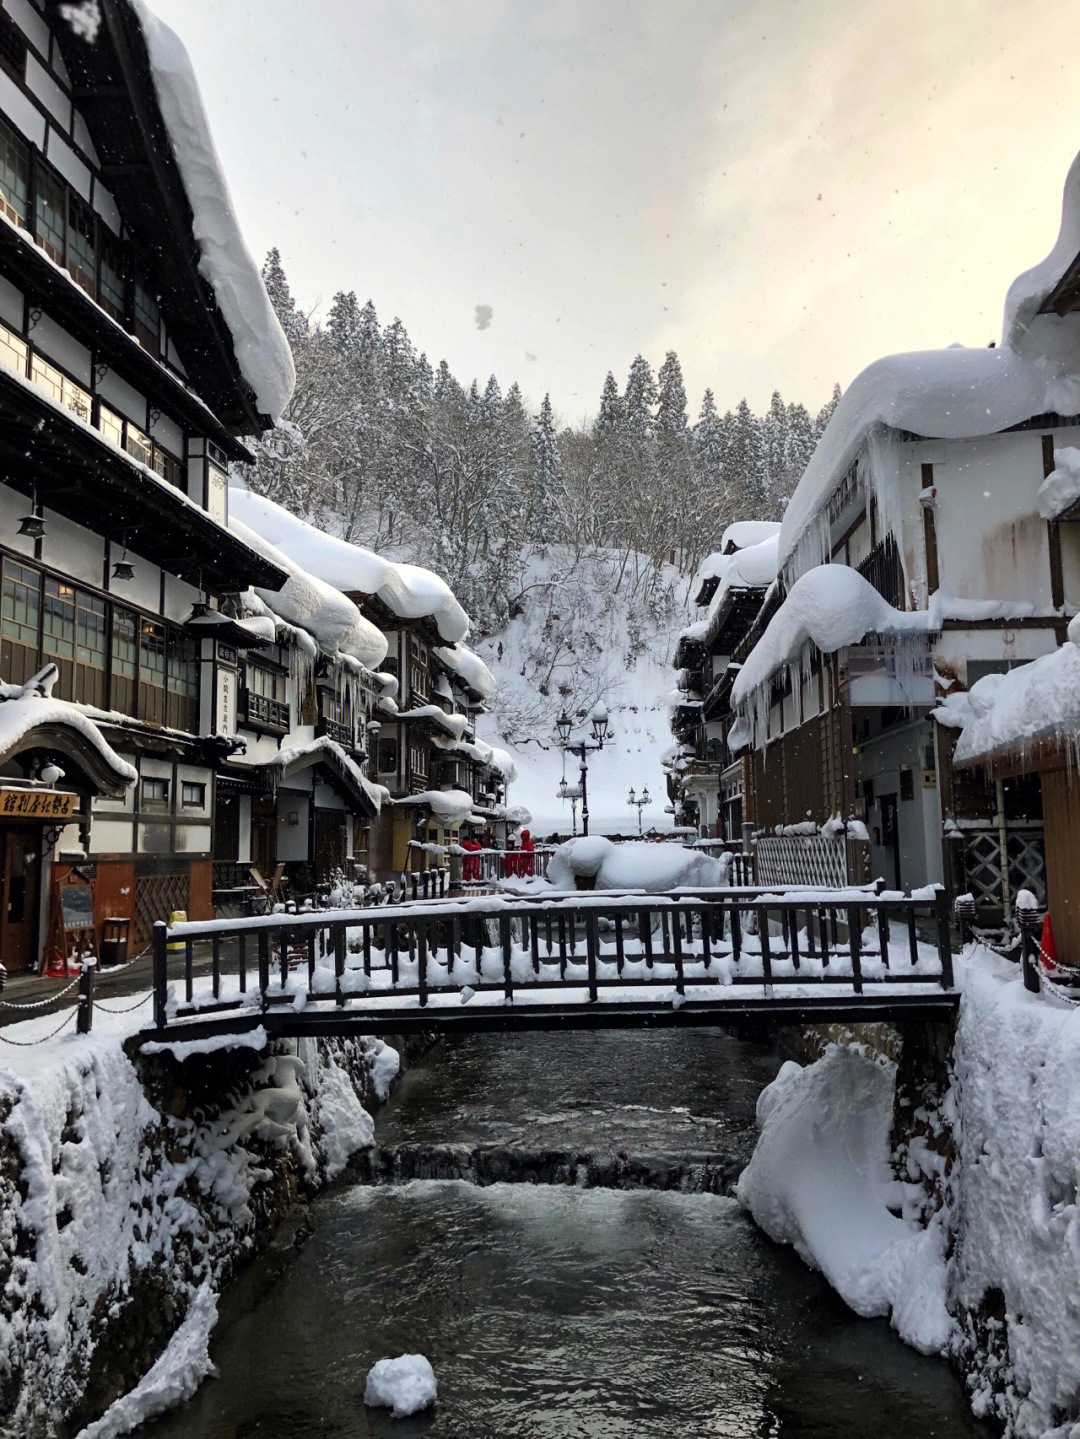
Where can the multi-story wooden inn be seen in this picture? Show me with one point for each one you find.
(129, 367)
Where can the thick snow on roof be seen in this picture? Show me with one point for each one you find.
(410, 592)
(748, 569)
(958, 393)
(1061, 488)
(311, 604)
(743, 533)
(452, 806)
(1034, 701)
(259, 342)
(469, 667)
(314, 749)
(24, 708)
(830, 606)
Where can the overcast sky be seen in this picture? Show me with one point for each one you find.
(781, 190)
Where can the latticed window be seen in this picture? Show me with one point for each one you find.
(138, 445)
(91, 634)
(182, 699)
(151, 672)
(82, 243)
(20, 622)
(12, 48)
(50, 212)
(147, 318)
(168, 468)
(14, 352)
(14, 175)
(111, 426)
(110, 273)
(58, 633)
(125, 660)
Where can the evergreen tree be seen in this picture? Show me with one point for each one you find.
(640, 398)
(611, 409)
(671, 399)
(824, 415)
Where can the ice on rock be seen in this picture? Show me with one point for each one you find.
(404, 1385)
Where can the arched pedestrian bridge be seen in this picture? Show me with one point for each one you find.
(566, 961)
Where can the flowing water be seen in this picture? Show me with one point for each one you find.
(561, 1310)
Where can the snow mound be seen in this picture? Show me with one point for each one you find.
(820, 1180)
(410, 592)
(1061, 488)
(404, 1385)
(261, 349)
(633, 864)
(174, 1378)
(469, 667)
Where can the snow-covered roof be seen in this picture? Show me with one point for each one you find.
(408, 590)
(311, 604)
(747, 569)
(27, 711)
(1061, 488)
(957, 393)
(1036, 701)
(831, 606)
(327, 751)
(743, 533)
(261, 349)
(469, 668)
(452, 806)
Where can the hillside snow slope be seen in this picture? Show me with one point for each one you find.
(599, 626)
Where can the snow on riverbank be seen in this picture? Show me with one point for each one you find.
(993, 1280)
(116, 1215)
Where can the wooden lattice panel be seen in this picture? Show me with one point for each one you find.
(801, 859)
(156, 896)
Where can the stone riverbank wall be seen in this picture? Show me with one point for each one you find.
(130, 1182)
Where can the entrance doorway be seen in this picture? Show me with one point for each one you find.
(20, 881)
(264, 836)
(890, 833)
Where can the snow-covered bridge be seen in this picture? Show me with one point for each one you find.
(580, 960)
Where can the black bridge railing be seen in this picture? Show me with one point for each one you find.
(702, 948)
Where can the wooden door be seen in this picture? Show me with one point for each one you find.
(20, 876)
(329, 843)
(264, 836)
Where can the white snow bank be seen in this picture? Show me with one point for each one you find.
(174, 1378)
(410, 592)
(633, 864)
(830, 606)
(385, 1062)
(820, 1181)
(312, 604)
(1061, 488)
(1037, 700)
(259, 343)
(404, 1385)
(469, 667)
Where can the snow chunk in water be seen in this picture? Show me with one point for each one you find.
(261, 349)
(404, 1385)
(820, 1181)
(174, 1378)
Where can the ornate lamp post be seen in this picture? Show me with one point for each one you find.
(598, 716)
(639, 804)
(572, 792)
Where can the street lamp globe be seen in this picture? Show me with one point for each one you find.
(631, 799)
(563, 725)
(645, 798)
(599, 717)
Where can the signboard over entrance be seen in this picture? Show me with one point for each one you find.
(44, 804)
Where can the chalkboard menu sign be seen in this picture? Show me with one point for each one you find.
(77, 903)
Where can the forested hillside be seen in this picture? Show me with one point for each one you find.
(572, 549)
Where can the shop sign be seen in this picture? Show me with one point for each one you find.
(37, 804)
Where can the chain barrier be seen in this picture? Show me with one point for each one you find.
(30, 1043)
(42, 1003)
(125, 1009)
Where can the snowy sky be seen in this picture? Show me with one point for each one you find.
(780, 190)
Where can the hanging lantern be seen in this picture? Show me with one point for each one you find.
(123, 569)
(33, 526)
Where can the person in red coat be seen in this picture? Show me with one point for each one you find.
(470, 865)
(525, 855)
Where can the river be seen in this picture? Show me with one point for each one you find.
(555, 1311)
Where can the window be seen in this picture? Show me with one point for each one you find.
(147, 319)
(110, 274)
(138, 445)
(417, 683)
(192, 796)
(154, 792)
(151, 672)
(50, 211)
(125, 660)
(20, 619)
(14, 352)
(82, 243)
(111, 426)
(182, 700)
(418, 760)
(91, 631)
(58, 633)
(12, 48)
(14, 174)
(265, 697)
(63, 391)
(168, 468)
(417, 651)
(388, 756)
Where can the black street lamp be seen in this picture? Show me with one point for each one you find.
(564, 725)
(639, 804)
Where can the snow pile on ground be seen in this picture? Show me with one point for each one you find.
(1037, 700)
(1016, 1182)
(633, 864)
(588, 629)
(820, 1181)
(174, 1378)
(404, 1385)
(259, 342)
(408, 590)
